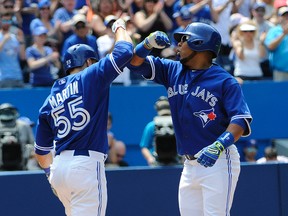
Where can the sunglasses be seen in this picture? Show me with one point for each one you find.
(81, 26)
(249, 31)
(184, 38)
(6, 21)
(8, 6)
(45, 8)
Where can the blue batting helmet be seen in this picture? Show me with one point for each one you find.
(203, 37)
(76, 55)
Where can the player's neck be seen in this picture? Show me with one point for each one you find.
(199, 66)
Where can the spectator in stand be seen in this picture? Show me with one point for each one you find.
(248, 53)
(101, 9)
(243, 7)
(271, 155)
(12, 50)
(203, 11)
(12, 7)
(42, 60)
(258, 12)
(152, 18)
(64, 15)
(117, 148)
(106, 42)
(29, 10)
(81, 35)
(277, 43)
(45, 19)
(176, 11)
(184, 19)
(224, 9)
(136, 6)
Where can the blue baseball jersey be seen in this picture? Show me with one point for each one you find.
(202, 102)
(74, 115)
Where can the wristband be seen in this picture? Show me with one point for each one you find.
(226, 139)
(47, 171)
(141, 51)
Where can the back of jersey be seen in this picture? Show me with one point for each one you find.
(165, 141)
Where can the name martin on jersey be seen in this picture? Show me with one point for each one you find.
(60, 97)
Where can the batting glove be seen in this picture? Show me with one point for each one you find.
(209, 155)
(119, 23)
(157, 40)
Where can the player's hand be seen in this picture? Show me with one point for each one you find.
(47, 173)
(207, 156)
(119, 23)
(157, 39)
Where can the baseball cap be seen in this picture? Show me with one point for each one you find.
(247, 27)
(236, 19)
(282, 11)
(259, 5)
(78, 18)
(44, 3)
(39, 30)
(108, 19)
(185, 14)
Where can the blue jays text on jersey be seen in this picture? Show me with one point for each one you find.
(74, 115)
(202, 102)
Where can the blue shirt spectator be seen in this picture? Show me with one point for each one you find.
(41, 59)
(80, 35)
(12, 49)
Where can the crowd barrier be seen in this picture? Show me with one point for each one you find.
(132, 108)
(143, 191)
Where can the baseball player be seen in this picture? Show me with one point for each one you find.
(209, 114)
(73, 120)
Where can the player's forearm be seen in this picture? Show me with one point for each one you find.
(136, 60)
(122, 35)
(44, 160)
(236, 130)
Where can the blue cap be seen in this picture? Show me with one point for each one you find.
(185, 14)
(39, 30)
(44, 3)
(259, 5)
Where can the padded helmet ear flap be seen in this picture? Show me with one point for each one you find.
(76, 56)
(203, 37)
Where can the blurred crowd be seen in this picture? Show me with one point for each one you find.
(34, 34)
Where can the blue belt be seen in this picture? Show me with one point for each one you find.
(78, 152)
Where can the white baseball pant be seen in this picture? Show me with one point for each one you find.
(80, 183)
(209, 191)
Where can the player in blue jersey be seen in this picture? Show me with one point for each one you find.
(209, 114)
(73, 120)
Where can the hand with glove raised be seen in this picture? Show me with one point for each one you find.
(157, 39)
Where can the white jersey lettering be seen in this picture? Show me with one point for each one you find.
(60, 97)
